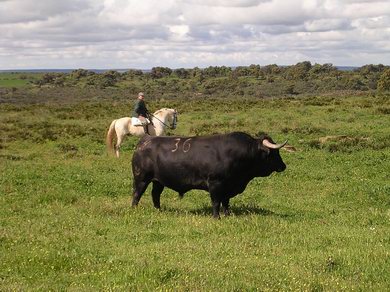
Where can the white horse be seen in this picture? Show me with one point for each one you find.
(161, 119)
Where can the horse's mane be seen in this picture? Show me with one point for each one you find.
(160, 110)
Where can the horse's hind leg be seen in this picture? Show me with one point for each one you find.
(118, 144)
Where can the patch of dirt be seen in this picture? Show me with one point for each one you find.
(340, 138)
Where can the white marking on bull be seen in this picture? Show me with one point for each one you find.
(143, 145)
(186, 145)
(137, 171)
(176, 144)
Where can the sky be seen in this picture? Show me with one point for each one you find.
(116, 34)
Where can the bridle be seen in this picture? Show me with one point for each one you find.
(174, 122)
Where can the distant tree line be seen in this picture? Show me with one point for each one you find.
(253, 80)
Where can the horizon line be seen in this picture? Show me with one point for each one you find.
(148, 69)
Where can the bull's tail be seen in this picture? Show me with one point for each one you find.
(110, 137)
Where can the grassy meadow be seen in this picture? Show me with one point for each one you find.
(322, 225)
(17, 80)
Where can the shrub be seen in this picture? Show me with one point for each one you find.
(384, 80)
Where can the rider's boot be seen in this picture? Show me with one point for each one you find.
(146, 129)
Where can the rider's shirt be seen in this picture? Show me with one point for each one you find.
(140, 109)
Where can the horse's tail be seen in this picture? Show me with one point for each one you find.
(110, 136)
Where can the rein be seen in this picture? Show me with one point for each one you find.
(169, 126)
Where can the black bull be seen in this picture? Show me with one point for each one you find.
(223, 165)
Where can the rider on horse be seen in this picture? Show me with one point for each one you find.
(141, 112)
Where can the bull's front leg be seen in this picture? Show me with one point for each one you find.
(216, 207)
(225, 207)
(216, 203)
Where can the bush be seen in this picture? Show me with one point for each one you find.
(160, 72)
(253, 80)
(384, 80)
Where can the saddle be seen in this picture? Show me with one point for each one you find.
(138, 122)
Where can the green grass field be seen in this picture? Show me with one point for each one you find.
(17, 80)
(322, 225)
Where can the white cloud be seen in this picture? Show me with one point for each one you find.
(16, 11)
(187, 33)
(327, 25)
(226, 3)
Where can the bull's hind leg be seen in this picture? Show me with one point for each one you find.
(139, 189)
(156, 193)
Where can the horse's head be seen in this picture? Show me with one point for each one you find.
(167, 116)
(173, 119)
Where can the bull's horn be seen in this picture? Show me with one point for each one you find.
(270, 145)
